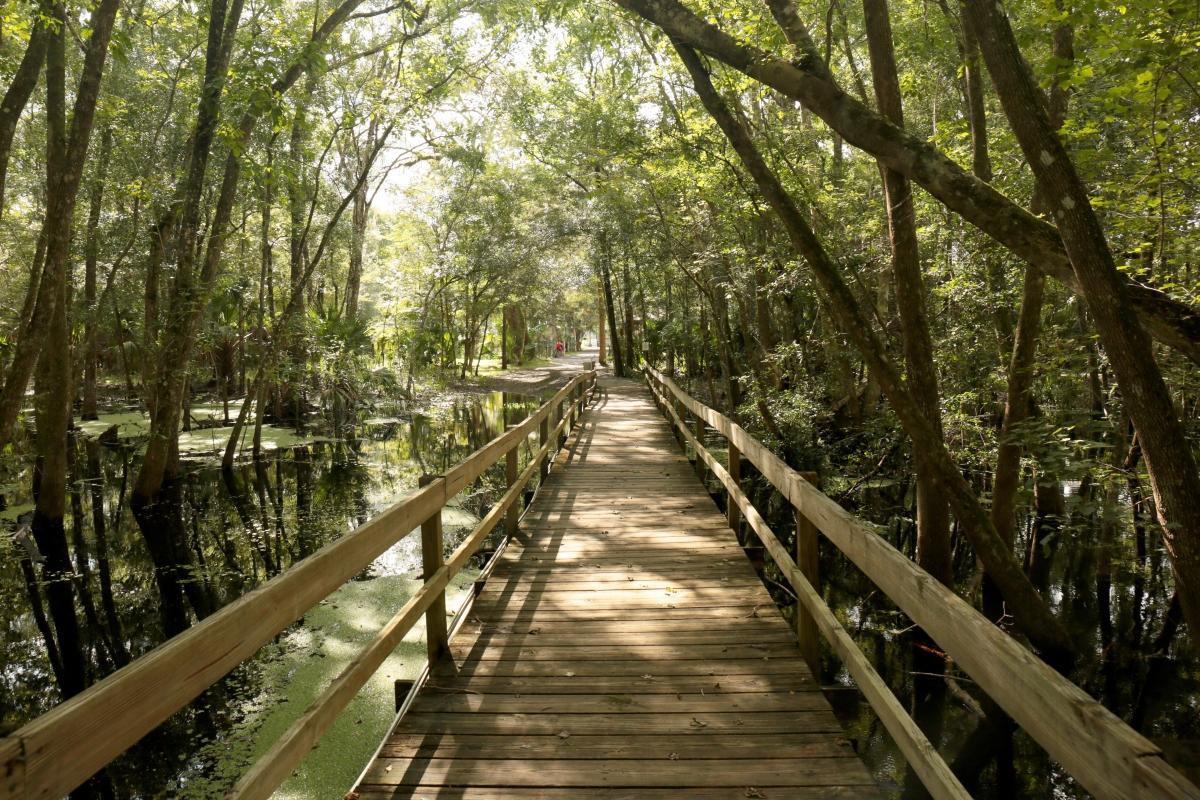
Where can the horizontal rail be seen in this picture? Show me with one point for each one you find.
(58, 751)
(924, 758)
(274, 766)
(1106, 756)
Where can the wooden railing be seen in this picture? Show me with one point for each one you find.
(1106, 756)
(61, 749)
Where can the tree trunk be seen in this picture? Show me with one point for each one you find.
(933, 519)
(65, 162)
(603, 343)
(20, 89)
(1168, 454)
(606, 282)
(91, 301)
(1032, 615)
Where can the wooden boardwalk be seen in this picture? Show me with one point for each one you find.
(623, 648)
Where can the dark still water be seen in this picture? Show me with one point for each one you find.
(240, 530)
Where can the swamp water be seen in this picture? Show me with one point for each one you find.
(305, 492)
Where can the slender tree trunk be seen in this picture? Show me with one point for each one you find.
(20, 89)
(603, 343)
(933, 518)
(65, 163)
(1031, 613)
(52, 399)
(1168, 454)
(606, 282)
(91, 253)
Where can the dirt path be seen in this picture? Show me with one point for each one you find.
(538, 379)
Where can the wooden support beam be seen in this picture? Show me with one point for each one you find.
(510, 479)
(543, 437)
(432, 542)
(808, 561)
(732, 512)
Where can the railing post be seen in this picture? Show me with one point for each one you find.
(682, 414)
(510, 477)
(701, 469)
(431, 561)
(732, 512)
(543, 435)
(562, 411)
(809, 563)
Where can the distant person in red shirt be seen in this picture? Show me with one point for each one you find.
(558, 349)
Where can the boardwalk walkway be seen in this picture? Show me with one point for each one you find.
(623, 648)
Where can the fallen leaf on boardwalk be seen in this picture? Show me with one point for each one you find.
(647, 677)
(564, 735)
(535, 631)
(698, 723)
(673, 756)
(570, 674)
(752, 792)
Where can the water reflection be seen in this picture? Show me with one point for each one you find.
(222, 533)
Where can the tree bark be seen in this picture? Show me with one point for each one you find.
(90, 298)
(933, 518)
(20, 89)
(1031, 613)
(65, 163)
(1174, 477)
(1171, 322)
(606, 282)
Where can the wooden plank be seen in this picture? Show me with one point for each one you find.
(644, 683)
(730, 746)
(696, 703)
(632, 626)
(539, 638)
(627, 652)
(569, 668)
(684, 724)
(428, 792)
(630, 773)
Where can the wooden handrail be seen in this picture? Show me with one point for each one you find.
(62, 748)
(273, 767)
(1106, 756)
(924, 758)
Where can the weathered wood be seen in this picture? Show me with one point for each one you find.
(510, 478)
(623, 617)
(544, 438)
(784, 745)
(645, 683)
(663, 772)
(428, 792)
(431, 562)
(808, 560)
(271, 769)
(1104, 754)
(732, 512)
